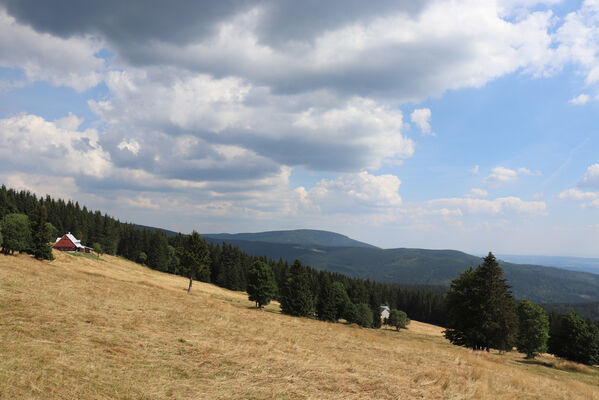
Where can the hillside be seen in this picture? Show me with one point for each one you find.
(430, 267)
(305, 237)
(96, 329)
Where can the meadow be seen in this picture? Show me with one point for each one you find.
(83, 328)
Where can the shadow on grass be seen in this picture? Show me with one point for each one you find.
(536, 362)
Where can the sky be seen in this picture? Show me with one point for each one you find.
(470, 125)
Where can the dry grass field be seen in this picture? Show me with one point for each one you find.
(77, 328)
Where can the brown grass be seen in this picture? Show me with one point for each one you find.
(78, 328)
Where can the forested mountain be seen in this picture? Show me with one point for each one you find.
(304, 237)
(430, 267)
(571, 263)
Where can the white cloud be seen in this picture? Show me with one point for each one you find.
(476, 192)
(139, 202)
(491, 207)
(577, 194)
(502, 174)
(352, 193)
(591, 177)
(62, 62)
(56, 147)
(475, 169)
(422, 118)
(132, 145)
(580, 99)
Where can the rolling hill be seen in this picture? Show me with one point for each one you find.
(81, 328)
(416, 266)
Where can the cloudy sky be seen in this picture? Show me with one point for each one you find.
(471, 125)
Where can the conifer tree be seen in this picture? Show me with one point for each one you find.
(39, 244)
(533, 329)
(575, 339)
(194, 256)
(326, 307)
(296, 298)
(481, 309)
(261, 286)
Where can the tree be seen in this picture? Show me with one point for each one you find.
(342, 301)
(533, 329)
(98, 249)
(142, 258)
(481, 309)
(363, 315)
(326, 309)
(261, 286)
(15, 232)
(575, 340)
(194, 256)
(499, 318)
(398, 319)
(296, 296)
(39, 244)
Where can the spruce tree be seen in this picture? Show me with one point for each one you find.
(499, 318)
(326, 308)
(39, 244)
(296, 298)
(261, 286)
(533, 329)
(481, 309)
(194, 256)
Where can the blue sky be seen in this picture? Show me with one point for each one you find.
(439, 124)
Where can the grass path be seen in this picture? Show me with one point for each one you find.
(79, 328)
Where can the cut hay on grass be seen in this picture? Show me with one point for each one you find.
(79, 328)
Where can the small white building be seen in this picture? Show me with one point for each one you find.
(385, 312)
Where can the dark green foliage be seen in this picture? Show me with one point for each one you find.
(296, 297)
(16, 233)
(261, 287)
(341, 299)
(585, 310)
(194, 256)
(481, 309)
(533, 329)
(52, 232)
(363, 316)
(40, 248)
(575, 339)
(398, 319)
(326, 308)
(157, 253)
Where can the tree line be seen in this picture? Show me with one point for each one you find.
(482, 314)
(326, 295)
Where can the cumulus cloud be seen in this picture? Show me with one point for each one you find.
(577, 194)
(422, 118)
(502, 174)
(62, 62)
(580, 100)
(490, 207)
(591, 177)
(352, 193)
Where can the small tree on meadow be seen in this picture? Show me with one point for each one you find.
(533, 329)
(398, 319)
(194, 256)
(261, 286)
(98, 249)
(142, 258)
(16, 233)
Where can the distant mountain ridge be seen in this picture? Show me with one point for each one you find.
(305, 237)
(412, 266)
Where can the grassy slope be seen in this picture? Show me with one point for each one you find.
(82, 328)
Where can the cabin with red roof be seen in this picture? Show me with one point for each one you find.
(70, 243)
